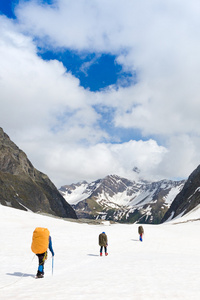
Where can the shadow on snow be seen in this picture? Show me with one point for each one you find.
(19, 274)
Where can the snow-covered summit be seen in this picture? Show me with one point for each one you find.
(120, 199)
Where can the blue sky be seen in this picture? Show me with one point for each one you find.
(102, 87)
(6, 8)
(103, 70)
(95, 71)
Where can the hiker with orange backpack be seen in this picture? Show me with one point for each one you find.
(41, 241)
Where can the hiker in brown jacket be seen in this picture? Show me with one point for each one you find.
(141, 232)
(103, 243)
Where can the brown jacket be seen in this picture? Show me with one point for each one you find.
(103, 240)
(140, 230)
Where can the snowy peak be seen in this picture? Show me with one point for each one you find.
(112, 184)
(188, 199)
(75, 192)
(109, 186)
(120, 199)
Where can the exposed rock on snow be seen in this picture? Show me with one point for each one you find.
(119, 199)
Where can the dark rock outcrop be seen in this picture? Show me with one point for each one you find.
(187, 199)
(24, 187)
(119, 199)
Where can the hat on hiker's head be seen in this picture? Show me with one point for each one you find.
(103, 232)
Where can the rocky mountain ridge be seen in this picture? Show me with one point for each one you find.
(119, 199)
(187, 199)
(24, 187)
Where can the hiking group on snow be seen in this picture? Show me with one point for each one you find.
(41, 242)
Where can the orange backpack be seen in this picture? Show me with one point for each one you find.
(40, 240)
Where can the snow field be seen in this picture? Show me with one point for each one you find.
(164, 266)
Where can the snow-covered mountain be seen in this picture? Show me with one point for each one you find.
(187, 199)
(119, 199)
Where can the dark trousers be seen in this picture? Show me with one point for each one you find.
(101, 249)
(41, 258)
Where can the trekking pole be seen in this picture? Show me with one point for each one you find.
(52, 264)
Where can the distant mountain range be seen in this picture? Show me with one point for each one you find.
(119, 199)
(112, 198)
(24, 187)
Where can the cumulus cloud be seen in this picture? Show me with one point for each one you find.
(46, 111)
(38, 92)
(161, 43)
(74, 164)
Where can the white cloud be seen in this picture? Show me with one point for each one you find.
(68, 163)
(38, 92)
(161, 42)
(182, 155)
(44, 107)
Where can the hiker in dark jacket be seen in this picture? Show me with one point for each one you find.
(103, 243)
(141, 232)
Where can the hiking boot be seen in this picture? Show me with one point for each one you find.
(39, 276)
(106, 254)
(100, 254)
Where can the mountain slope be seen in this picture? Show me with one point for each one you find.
(119, 199)
(187, 199)
(24, 187)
